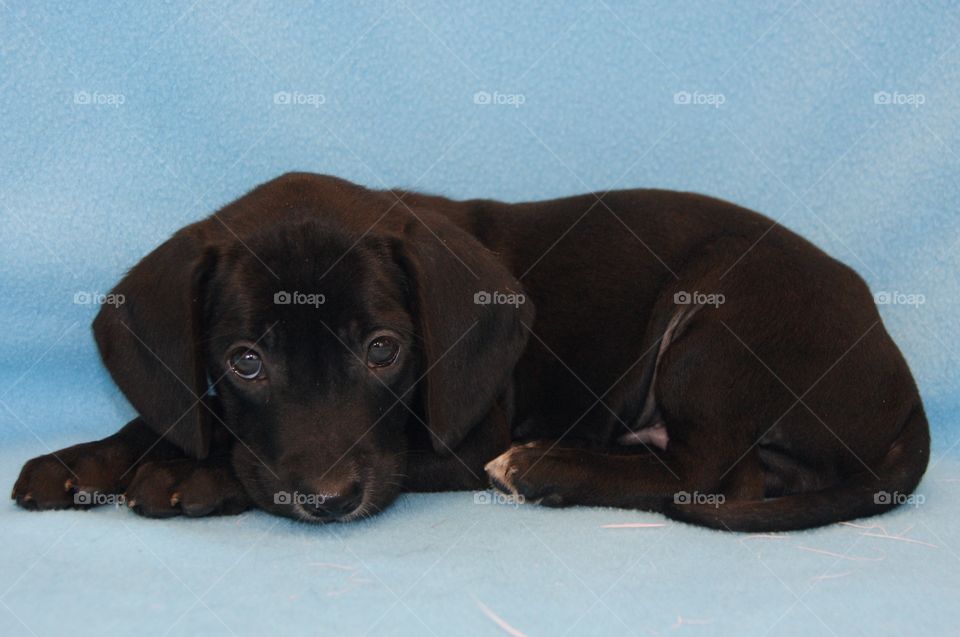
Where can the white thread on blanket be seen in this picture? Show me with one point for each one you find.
(906, 530)
(900, 538)
(842, 556)
(633, 525)
(863, 526)
(885, 535)
(817, 578)
(763, 536)
(353, 581)
(499, 621)
(690, 622)
(339, 567)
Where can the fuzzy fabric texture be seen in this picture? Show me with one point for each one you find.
(122, 123)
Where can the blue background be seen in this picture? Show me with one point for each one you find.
(122, 122)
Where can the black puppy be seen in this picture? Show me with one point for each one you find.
(315, 347)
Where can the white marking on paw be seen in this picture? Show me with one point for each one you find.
(656, 435)
(501, 470)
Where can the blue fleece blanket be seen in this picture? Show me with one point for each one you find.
(122, 122)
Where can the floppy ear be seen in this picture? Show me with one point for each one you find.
(150, 340)
(471, 339)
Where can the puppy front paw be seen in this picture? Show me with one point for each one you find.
(527, 472)
(165, 489)
(72, 478)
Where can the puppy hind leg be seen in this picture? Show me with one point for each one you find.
(649, 428)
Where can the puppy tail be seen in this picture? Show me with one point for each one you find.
(863, 494)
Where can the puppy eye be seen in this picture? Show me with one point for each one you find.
(382, 351)
(246, 364)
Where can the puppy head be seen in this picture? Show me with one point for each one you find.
(327, 323)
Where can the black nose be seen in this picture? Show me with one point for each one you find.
(331, 502)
